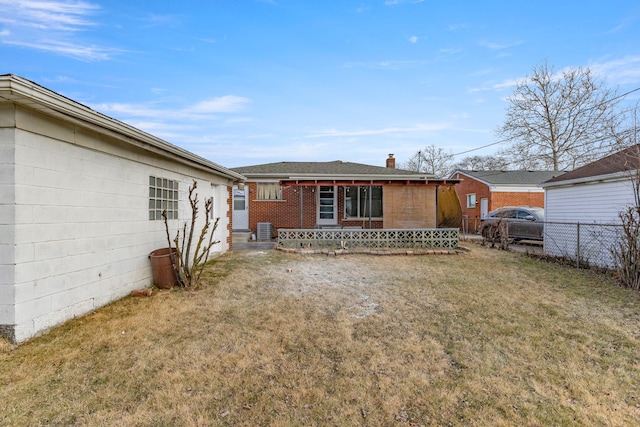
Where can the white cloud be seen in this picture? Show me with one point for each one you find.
(496, 86)
(620, 71)
(47, 15)
(384, 65)
(498, 46)
(394, 2)
(367, 132)
(413, 39)
(223, 104)
(52, 26)
(624, 70)
(208, 110)
(456, 27)
(77, 51)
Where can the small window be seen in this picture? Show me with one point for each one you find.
(163, 195)
(269, 191)
(471, 200)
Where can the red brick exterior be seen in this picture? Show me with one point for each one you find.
(496, 200)
(500, 199)
(285, 213)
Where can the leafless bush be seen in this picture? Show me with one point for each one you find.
(626, 252)
(189, 269)
(496, 234)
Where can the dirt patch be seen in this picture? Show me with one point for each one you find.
(358, 284)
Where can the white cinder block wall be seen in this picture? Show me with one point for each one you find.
(82, 232)
(7, 231)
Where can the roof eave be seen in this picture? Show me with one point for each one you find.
(24, 92)
(616, 176)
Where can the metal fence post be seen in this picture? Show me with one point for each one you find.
(578, 245)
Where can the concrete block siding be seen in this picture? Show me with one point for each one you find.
(81, 233)
(7, 231)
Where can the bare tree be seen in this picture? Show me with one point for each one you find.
(432, 160)
(560, 121)
(483, 163)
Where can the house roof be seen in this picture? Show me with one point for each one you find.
(612, 165)
(21, 91)
(336, 167)
(516, 178)
(332, 171)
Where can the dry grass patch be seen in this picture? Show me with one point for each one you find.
(487, 338)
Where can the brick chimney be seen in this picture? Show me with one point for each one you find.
(391, 162)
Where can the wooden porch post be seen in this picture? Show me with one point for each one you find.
(370, 203)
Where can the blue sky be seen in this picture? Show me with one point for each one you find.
(243, 82)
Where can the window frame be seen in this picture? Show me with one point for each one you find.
(348, 201)
(470, 197)
(260, 192)
(163, 194)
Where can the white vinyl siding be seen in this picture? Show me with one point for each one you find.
(588, 203)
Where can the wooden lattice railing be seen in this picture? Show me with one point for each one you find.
(427, 238)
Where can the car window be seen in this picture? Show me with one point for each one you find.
(509, 214)
(523, 214)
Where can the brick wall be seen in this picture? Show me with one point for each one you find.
(467, 186)
(285, 213)
(531, 198)
(496, 200)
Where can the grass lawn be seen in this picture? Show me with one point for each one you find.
(485, 338)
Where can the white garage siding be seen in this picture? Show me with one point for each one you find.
(594, 206)
(597, 202)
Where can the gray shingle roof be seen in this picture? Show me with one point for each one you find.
(625, 160)
(522, 177)
(334, 168)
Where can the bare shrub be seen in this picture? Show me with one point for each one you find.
(626, 252)
(496, 234)
(189, 269)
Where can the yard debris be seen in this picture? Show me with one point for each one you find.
(146, 292)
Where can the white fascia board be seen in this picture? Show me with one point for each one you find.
(488, 184)
(359, 177)
(515, 189)
(256, 177)
(24, 92)
(612, 177)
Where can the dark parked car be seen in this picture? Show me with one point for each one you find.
(522, 222)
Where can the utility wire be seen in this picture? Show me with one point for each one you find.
(591, 108)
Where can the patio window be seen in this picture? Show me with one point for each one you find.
(163, 195)
(356, 202)
(269, 191)
(471, 200)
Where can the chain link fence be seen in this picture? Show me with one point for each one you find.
(586, 244)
